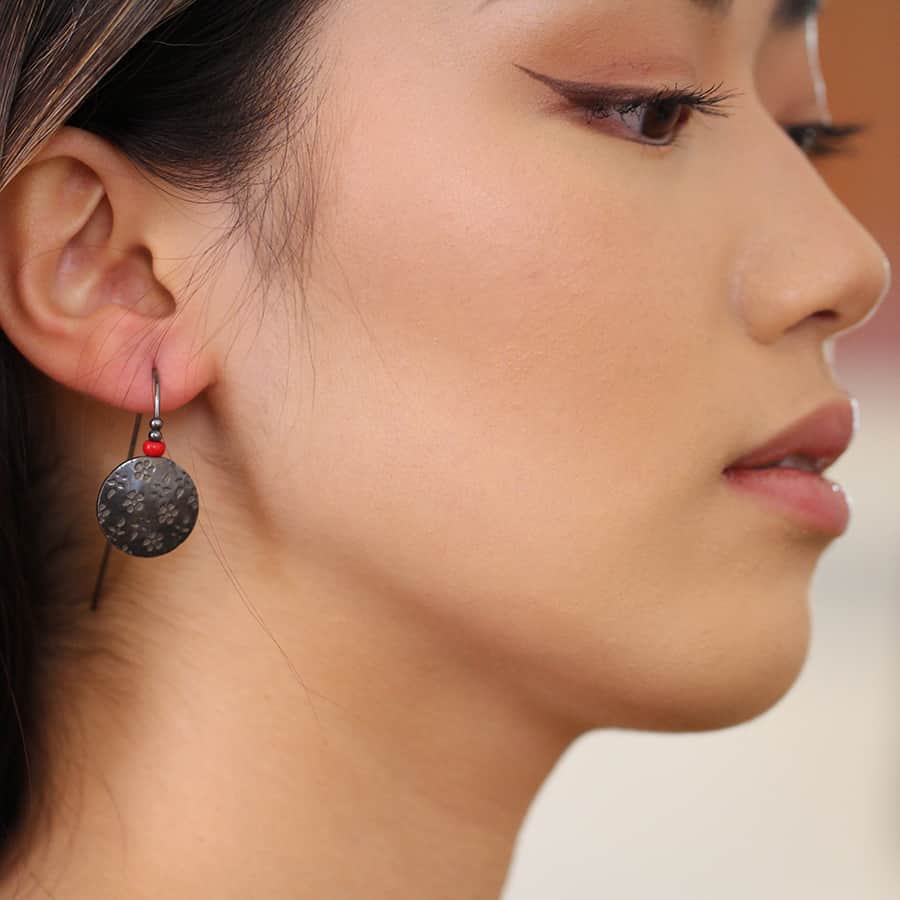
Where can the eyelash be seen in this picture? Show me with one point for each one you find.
(823, 139)
(709, 101)
(816, 139)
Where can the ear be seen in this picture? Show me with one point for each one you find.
(82, 233)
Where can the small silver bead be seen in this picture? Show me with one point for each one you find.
(155, 435)
(156, 424)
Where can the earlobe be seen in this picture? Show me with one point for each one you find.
(79, 296)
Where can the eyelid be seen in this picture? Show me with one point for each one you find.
(625, 98)
(584, 91)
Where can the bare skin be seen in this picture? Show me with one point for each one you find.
(461, 482)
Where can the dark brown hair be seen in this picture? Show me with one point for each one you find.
(196, 92)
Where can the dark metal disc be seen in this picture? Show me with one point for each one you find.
(147, 506)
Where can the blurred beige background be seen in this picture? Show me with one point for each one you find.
(804, 802)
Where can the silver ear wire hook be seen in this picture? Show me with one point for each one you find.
(155, 393)
(147, 505)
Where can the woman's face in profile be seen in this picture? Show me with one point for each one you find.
(566, 266)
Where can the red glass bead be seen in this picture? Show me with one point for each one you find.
(154, 448)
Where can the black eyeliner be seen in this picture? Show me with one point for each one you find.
(597, 97)
(577, 90)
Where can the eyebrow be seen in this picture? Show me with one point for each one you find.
(787, 14)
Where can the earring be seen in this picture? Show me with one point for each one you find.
(147, 505)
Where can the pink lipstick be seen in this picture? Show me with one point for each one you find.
(787, 471)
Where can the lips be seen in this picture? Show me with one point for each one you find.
(820, 439)
(786, 472)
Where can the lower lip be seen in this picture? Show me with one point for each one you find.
(809, 499)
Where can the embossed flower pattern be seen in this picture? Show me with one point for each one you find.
(117, 529)
(153, 542)
(144, 469)
(116, 483)
(147, 507)
(168, 513)
(133, 502)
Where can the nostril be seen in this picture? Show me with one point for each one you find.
(825, 314)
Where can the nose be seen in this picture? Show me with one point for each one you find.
(805, 261)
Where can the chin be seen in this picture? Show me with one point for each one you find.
(721, 675)
(738, 689)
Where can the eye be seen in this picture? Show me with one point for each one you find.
(644, 115)
(650, 121)
(655, 117)
(821, 138)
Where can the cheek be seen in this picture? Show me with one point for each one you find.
(542, 330)
(512, 425)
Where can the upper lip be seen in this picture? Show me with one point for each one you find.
(822, 436)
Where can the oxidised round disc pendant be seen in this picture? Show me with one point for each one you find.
(147, 506)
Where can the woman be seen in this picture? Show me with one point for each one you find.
(494, 337)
